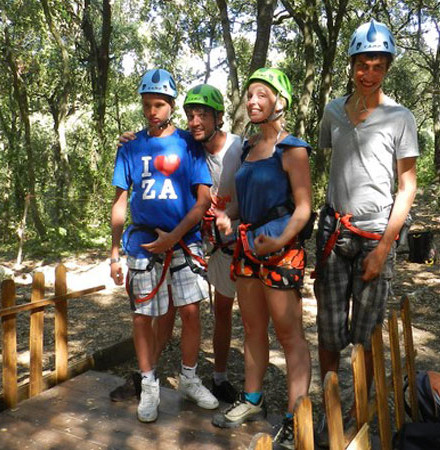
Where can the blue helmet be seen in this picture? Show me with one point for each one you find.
(158, 81)
(372, 37)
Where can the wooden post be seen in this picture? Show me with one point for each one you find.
(409, 357)
(36, 337)
(303, 424)
(9, 326)
(61, 354)
(261, 441)
(383, 413)
(333, 411)
(362, 439)
(396, 364)
(360, 385)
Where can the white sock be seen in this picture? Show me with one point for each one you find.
(189, 372)
(150, 375)
(219, 377)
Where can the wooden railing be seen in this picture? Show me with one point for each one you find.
(8, 314)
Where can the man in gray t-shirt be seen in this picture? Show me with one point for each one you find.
(371, 188)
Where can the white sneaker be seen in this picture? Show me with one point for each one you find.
(150, 399)
(193, 389)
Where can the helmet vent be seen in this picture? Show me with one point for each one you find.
(372, 33)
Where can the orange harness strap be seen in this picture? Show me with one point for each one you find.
(243, 244)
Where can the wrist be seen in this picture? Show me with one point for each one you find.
(115, 260)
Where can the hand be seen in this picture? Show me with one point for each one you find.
(265, 244)
(223, 222)
(163, 242)
(126, 137)
(116, 273)
(373, 263)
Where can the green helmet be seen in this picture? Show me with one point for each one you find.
(275, 78)
(207, 95)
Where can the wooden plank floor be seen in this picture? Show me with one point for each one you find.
(78, 414)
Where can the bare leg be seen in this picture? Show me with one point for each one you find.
(286, 311)
(143, 338)
(163, 329)
(222, 330)
(328, 361)
(191, 332)
(255, 317)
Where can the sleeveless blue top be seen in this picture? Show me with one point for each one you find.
(262, 185)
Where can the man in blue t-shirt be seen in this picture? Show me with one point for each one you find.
(169, 181)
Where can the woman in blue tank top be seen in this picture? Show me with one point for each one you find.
(274, 195)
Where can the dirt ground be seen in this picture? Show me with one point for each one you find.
(102, 319)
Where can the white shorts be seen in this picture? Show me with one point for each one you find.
(219, 268)
(186, 286)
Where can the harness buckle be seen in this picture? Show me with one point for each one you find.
(338, 224)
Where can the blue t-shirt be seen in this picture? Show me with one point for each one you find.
(262, 185)
(163, 173)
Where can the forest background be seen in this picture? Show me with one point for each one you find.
(68, 87)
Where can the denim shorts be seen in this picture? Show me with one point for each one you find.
(348, 307)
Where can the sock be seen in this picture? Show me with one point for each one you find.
(189, 372)
(150, 375)
(219, 377)
(253, 397)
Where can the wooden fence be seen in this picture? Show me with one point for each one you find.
(357, 436)
(12, 393)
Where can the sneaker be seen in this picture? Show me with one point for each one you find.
(131, 388)
(239, 412)
(192, 389)
(224, 391)
(284, 436)
(321, 434)
(150, 399)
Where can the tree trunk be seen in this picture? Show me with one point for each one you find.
(303, 17)
(98, 63)
(58, 106)
(21, 97)
(265, 13)
(235, 96)
(328, 40)
(436, 108)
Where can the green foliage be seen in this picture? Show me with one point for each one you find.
(183, 38)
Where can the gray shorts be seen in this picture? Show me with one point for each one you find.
(219, 273)
(340, 280)
(186, 286)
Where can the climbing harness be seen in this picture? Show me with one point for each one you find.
(345, 221)
(189, 256)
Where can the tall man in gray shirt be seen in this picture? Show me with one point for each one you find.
(374, 149)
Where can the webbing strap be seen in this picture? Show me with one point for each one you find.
(243, 244)
(331, 241)
(166, 265)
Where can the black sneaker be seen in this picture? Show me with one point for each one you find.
(239, 412)
(131, 388)
(284, 436)
(224, 391)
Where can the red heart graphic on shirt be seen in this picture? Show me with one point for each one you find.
(167, 164)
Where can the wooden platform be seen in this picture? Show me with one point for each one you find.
(78, 414)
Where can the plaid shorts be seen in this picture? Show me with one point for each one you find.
(186, 286)
(288, 273)
(339, 280)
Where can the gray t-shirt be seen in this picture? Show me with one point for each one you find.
(222, 167)
(363, 165)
